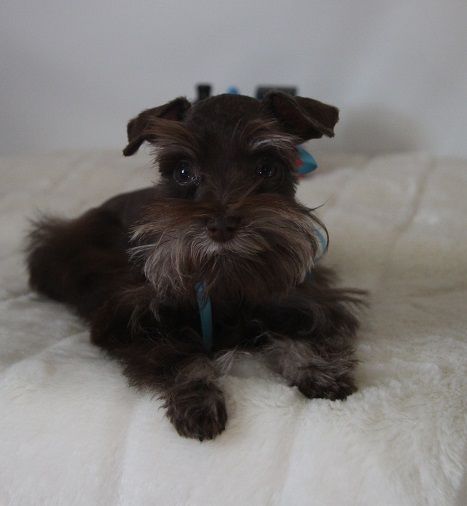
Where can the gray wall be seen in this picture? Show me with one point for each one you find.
(72, 73)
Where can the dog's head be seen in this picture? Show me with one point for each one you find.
(226, 212)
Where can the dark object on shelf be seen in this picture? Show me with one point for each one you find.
(204, 91)
(262, 90)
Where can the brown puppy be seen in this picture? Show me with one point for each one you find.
(224, 214)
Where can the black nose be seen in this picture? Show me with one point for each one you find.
(223, 228)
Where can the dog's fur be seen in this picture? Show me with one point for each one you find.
(223, 213)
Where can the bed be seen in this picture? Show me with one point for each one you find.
(73, 433)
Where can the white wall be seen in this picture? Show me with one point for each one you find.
(73, 72)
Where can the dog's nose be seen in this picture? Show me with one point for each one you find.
(223, 228)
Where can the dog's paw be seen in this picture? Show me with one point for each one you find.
(197, 410)
(332, 388)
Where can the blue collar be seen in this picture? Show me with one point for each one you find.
(205, 314)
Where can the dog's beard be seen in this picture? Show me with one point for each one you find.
(271, 252)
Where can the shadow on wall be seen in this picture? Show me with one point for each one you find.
(375, 130)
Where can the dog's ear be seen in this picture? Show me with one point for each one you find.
(303, 117)
(139, 128)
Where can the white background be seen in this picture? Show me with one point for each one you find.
(73, 72)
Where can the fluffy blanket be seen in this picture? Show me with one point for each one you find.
(73, 433)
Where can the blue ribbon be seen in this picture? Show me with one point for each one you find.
(205, 314)
(309, 163)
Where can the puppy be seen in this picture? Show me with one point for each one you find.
(220, 231)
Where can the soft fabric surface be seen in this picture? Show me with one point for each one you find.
(73, 433)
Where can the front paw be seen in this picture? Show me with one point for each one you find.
(197, 410)
(321, 386)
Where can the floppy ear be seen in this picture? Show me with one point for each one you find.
(303, 117)
(139, 128)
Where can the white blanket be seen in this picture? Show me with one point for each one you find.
(73, 433)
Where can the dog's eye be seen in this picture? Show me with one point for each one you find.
(185, 174)
(266, 169)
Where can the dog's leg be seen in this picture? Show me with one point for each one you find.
(315, 368)
(175, 369)
(310, 340)
(186, 382)
(195, 403)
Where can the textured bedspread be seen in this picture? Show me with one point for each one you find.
(72, 432)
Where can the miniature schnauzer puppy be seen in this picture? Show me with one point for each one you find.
(223, 214)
